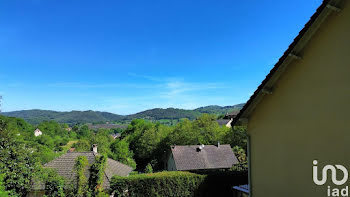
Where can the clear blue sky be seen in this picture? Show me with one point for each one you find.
(125, 56)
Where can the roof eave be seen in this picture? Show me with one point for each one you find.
(291, 54)
(194, 169)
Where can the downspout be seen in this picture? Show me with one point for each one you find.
(249, 167)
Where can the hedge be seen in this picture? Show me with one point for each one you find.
(178, 184)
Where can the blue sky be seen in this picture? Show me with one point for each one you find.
(125, 56)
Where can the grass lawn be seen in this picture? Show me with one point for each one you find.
(69, 145)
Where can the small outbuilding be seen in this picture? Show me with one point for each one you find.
(200, 157)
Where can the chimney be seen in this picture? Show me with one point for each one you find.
(94, 148)
(200, 147)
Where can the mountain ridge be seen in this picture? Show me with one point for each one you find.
(35, 116)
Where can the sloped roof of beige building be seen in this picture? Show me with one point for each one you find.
(191, 157)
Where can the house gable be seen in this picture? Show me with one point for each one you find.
(291, 55)
(305, 116)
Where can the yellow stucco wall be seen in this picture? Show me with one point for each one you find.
(307, 117)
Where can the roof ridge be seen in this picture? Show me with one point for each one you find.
(200, 144)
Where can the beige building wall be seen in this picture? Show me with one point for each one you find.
(171, 163)
(307, 117)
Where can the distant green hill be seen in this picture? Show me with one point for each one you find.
(169, 113)
(215, 109)
(36, 116)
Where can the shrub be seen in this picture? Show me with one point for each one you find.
(54, 184)
(81, 182)
(177, 184)
(148, 168)
(157, 184)
(97, 171)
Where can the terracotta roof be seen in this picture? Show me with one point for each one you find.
(292, 52)
(64, 166)
(209, 157)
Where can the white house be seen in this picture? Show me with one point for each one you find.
(37, 132)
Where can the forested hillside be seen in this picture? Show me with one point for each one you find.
(215, 109)
(169, 113)
(37, 116)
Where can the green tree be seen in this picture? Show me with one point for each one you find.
(120, 152)
(46, 140)
(148, 141)
(236, 137)
(52, 128)
(183, 134)
(75, 128)
(43, 153)
(147, 146)
(83, 131)
(3, 193)
(207, 128)
(82, 145)
(103, 139)
(16, 162)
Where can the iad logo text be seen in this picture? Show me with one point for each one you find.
(333, 170)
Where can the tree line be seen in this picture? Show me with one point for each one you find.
(143, 145)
